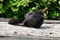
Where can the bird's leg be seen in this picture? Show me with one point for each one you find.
(21, 24)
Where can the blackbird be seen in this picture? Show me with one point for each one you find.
(32, 19)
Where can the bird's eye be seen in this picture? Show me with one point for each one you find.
(30, 13)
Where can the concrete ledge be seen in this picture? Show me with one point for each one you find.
(13, 32)
(29, 38)
(49, 30)
(52, 21)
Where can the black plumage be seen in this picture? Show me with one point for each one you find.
(32, 19)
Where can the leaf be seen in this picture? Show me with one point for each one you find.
(1, 6)
(15, 17)
(1, 0)
(12, 3)
(56, 13)
(59, 2)
(44, 0)
(4, 8)
(0, 12)
(54, 0)
(14, 8)
(24, 3)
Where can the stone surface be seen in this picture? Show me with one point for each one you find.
(13, 32)
(29, 38)
(49, 30)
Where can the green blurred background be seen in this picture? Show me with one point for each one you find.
(18, 8)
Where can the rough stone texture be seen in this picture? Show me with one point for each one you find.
(49, 30)
(29, 38)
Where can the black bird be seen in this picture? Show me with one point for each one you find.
(32, 19)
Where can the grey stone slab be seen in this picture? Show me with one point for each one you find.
(4, 19)
(52, 21)
(29, 38)
(8, 32)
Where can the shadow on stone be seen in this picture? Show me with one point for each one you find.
(46, 27)
(4, 36)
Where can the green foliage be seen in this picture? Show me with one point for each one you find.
(18, 8)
